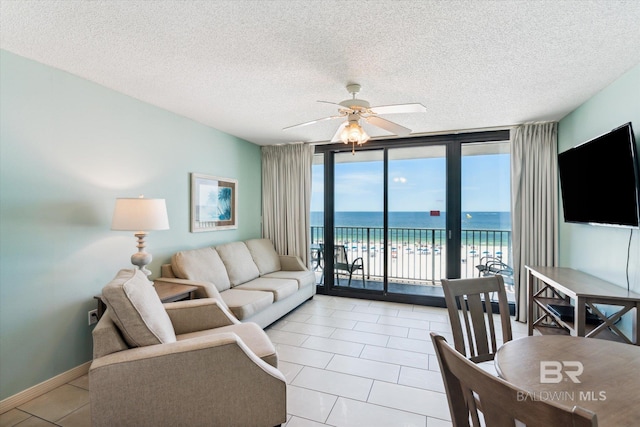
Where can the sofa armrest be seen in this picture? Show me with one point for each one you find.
(209, 380)
(167, 271)
(198, 315)
(291, 263)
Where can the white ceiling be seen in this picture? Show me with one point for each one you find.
(250, 68)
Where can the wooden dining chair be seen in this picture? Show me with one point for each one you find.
(470, 299)
(501, 403)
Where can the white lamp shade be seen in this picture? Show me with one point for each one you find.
(140, 214)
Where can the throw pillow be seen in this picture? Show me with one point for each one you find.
(136, 309)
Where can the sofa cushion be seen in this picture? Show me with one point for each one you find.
(245, 303)
(238, 261)
(280, 288)
(250, 333)
(203, 265)
(264, 255)
(303, 278)
(136, 309)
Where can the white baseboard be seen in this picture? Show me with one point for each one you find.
(42, 388)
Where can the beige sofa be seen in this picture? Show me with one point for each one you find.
(250, 278)
(181, 363)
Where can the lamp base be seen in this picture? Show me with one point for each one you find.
(141, 258)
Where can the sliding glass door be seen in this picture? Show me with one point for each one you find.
(417, 197)
(486, 211)
(359, 240)
(398, 216)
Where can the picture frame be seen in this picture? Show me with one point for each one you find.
(214, 203)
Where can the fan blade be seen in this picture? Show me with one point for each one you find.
(399, 108)
(336, 136)
(311, 122)
(388, 125)
(336, 104)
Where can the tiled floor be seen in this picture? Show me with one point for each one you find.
(348, 362)
(66, 406)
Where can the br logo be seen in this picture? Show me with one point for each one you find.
(553, 371)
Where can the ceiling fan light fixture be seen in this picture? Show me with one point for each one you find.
(355, 109)
(354, 134)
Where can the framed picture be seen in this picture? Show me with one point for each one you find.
(214, 203)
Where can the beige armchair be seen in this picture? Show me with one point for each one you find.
(183, 363)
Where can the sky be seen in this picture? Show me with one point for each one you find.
(417, 185)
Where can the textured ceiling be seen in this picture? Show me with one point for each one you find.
(250, 68)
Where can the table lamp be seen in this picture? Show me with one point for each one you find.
(140, 215)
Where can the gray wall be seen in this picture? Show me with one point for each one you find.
(68, 148)
(597, 250)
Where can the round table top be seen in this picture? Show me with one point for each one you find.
(599, 375)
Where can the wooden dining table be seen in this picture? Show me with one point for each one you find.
(599, 375)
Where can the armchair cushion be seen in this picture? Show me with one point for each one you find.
(264, 255)
(198, 314)
(136, 309)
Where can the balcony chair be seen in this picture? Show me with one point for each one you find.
(181, 363)
(317, 257)
(470, 299)
(341, 264)
(501, 403)
(490, 266)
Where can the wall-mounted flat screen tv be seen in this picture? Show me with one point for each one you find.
(599, 180)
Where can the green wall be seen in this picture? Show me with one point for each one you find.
(68, 148)
(602, 251)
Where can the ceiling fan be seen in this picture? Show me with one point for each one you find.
(355, 109)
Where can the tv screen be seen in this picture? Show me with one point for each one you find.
(599, 180)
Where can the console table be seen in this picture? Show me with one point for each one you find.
(569, 287)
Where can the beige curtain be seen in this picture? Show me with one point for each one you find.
(286, 198)
(534, 196)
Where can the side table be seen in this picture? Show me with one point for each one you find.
(168, 292)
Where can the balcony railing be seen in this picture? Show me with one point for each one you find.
(416, 255)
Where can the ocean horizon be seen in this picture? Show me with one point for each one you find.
(472, 220)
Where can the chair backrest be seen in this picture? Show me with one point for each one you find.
(502, 403)
(478, 339)
(340, 254)
(340, 260)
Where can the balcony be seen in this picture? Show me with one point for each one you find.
(416, 259)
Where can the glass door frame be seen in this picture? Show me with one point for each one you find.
(453, 144)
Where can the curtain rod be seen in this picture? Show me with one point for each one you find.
(444, 132)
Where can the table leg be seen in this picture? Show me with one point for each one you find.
(580, 317)
(530, 303)
(637, 325)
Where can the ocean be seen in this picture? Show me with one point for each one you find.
(478, 228)
(470, 220)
